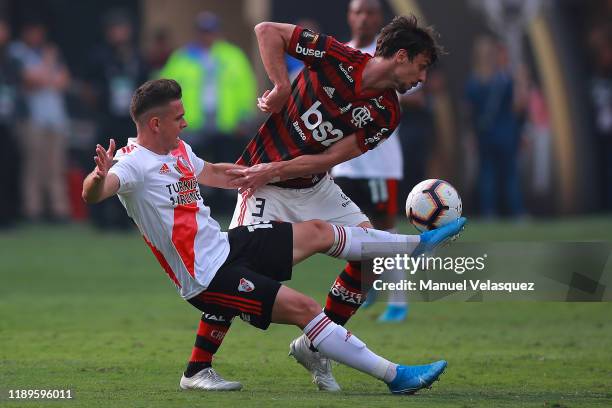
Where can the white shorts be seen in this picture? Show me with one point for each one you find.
(325, 201)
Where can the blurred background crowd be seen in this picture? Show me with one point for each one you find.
(517, 115)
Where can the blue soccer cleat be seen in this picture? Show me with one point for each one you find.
(410, 379)
(394, 314)
(436, 237)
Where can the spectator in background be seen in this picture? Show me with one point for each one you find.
(116, 69)
(600, 87)
(159, 50)
(219, 90)
(10, 79)
(538, 135)
(44, 138)
(496, 102)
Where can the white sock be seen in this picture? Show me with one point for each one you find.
(348, 242)
(335, 342)
(396, 297)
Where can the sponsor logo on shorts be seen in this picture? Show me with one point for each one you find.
(245, 285)
(348, 336)
(345, 199)
(214, 317)
(245, 317)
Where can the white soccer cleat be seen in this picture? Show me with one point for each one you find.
(319, 366)
(208, 380)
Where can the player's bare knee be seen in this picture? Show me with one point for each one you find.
(322, 234)
(306, 309)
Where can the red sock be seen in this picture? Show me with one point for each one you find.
(211, 332)
(346, 294)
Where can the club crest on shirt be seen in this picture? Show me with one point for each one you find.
(245, 285)
(181, 162)
(361, 116)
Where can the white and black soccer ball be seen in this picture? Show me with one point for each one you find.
(433, 203)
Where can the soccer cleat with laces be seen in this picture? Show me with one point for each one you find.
(313, 361)
(410, 379)
(208, 380)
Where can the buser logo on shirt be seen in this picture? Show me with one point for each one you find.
(309, 52)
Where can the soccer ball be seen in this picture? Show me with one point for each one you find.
(433, 203)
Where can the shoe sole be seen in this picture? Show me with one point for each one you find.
(210, 389)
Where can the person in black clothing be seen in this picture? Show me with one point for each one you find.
(116, 69)
(10, 78)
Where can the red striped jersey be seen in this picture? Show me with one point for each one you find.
(161, 194)
(326, 104)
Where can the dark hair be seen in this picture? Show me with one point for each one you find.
(154, 94)
(404, 33)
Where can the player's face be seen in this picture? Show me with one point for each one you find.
(172, 122)
(407, 74)
(365, 19)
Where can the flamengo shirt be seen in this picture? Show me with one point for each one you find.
(161, 194)
(326, 104)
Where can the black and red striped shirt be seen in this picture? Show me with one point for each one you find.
(325, 105)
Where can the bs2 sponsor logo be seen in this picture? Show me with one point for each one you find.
(320, 129)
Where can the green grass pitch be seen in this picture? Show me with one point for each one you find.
(95, 313)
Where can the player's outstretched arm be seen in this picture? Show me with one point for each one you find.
(217, 175)
(261, 174)
(273, 40)
(99, 184)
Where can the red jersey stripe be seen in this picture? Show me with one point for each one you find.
(185, 225)
(162, 261)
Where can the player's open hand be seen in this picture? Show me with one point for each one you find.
(104, 159)
(272, 101)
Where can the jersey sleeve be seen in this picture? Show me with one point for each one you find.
(313, 48)
(307, 46)
(129, 173)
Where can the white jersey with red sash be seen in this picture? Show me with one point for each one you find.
(162, 196)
